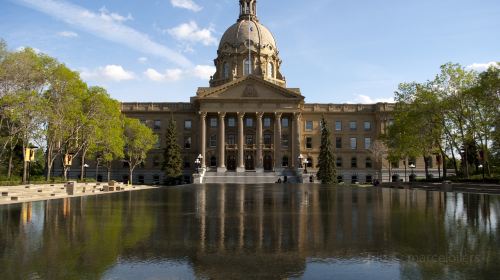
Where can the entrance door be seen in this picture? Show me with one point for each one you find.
(231, 163)
(249, 163)
(268, 163)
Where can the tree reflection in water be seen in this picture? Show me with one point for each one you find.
(238, 231)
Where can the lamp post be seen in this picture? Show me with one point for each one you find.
(85, 166)
(306, 161)
(482, 167)
(412, 167)
(301, 157)
(29, 157)
(198, 162)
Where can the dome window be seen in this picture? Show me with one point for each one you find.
(270, 70)
(226, 70)
(247, 67)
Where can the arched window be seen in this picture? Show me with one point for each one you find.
(213, 161)
(270, 70)
(247, 67)
(226, 70)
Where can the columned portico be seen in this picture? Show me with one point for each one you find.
(241, 148)
(221, 166)
(203, 141)
(277, 142)
(296, 142)
(260, 159)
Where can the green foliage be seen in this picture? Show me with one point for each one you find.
(172, 164)
(327, 172)
(455, 114)
(139, 140)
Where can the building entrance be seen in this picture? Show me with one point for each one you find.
(268, 163)
(231, 163)
(249, 162)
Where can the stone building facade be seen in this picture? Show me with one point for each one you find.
(249, 122)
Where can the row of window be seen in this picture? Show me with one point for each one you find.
(354, 162)
(338, 143)
(249, 122)
(247, 69)
(353, 125)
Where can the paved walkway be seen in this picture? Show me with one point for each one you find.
(29, 193)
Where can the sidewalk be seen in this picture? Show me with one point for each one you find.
(30, 193)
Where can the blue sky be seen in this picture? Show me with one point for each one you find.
(335, 51)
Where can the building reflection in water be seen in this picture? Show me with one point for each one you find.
(236, 230)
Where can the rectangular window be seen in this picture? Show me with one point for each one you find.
(339, 162)
(284, 122)
(249, 122)
(338, 125)
(369, 163)
(338, 142)
(354, 162)
(213, 122)
(368, 143)
(354, 143)
(213, 141)
(231, 122)
(353, 126)
(156, 161)
(268, 139)
(267, 122)
(390, 122)
(309, 143)
(284, 141)
(309, 125)
(157, 125)
(250, 140)
(395, 164)
(187, 142)
(368, 126)
(231, 139)
(188, 124)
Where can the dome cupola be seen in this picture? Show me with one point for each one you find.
(247, 48)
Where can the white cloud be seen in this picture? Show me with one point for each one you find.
(68, 34)
(364, 99)
(169, 75)
(114, 73)
(203, 71)
(481, 67)
(142, 60)
(106, 15)
(186, 4)
(107, 27)
(190, 32)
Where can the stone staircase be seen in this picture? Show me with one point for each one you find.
(248, 177)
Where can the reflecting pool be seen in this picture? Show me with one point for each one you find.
(254, 232)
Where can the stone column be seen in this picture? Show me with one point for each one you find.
(241, 141)
(277, 143)
(260, 156)
(296, 144)
(203, 141)
(221, 166)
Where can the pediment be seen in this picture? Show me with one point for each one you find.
(251, 88)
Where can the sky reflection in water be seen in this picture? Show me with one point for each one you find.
(238, 231)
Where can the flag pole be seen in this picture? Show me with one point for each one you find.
(249, 42)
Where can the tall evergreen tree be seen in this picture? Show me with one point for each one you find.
(327, 172)
(172, 164)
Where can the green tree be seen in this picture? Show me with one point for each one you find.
(172, 161)
(327, 172)
(102, 127)
(139, 140)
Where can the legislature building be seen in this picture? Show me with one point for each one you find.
(248, 126)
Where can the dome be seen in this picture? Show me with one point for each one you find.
(237, 35)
